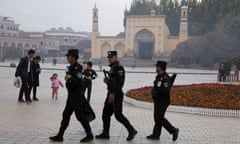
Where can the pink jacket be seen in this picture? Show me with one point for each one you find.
(56, 83)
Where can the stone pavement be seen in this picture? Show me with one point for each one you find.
(34, 123)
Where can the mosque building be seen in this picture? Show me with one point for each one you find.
(145, 37)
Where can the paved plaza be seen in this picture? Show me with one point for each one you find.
(34, 123)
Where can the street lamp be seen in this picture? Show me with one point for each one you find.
(1, 53)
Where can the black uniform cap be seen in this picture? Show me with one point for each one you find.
(112, 53)
(161, 64)
(73, 52)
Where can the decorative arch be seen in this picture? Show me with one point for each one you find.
(144, 44)
(20, 45)
(119, 47)
(105, 47)
(27, 45)
(34, 46)
(5, 45)
(145, 35)
(13, 45)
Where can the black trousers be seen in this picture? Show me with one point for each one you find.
(221, 78)
(160, 120)
(67, 113)
(116, 109)
(34, 88)
(88, 87)
(24, 90)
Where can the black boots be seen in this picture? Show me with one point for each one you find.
(153, 137)
(60, 139)
(35, 99)
(175, 134)
(131, 135)
(56, 138)
(105, 136)
(87, 139)
(102, 136)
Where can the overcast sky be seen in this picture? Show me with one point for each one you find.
(41, 15)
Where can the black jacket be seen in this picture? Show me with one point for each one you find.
(161, 91)
(74, 85)
(116, 78)
(89, 73)
(35, 68)
(22, 68)
(75, 91)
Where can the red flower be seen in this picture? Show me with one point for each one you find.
(220, 96)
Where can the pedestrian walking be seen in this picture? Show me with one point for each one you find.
(222, 73)
(114, 80)
(88, 76)
(76, 100)
(24, 71)
(161, 98)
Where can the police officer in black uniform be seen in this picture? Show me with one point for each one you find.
(161, 97)
(114, 101)
(76, 100)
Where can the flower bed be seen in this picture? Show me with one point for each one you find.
(218, 96)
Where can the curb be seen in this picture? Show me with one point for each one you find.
(187, 110)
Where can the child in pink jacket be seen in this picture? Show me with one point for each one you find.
(56, 83)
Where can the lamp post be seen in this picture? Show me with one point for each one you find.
(1, 53)
(23, 51)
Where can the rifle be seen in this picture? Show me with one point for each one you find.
(106, 74)
(171, 81)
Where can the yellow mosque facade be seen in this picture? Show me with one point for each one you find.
(145, 37)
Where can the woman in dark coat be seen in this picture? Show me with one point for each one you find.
(36, 71)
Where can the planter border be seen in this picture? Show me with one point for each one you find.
(187, 110)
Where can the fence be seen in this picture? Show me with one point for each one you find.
(229, 78)
(232, 78)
